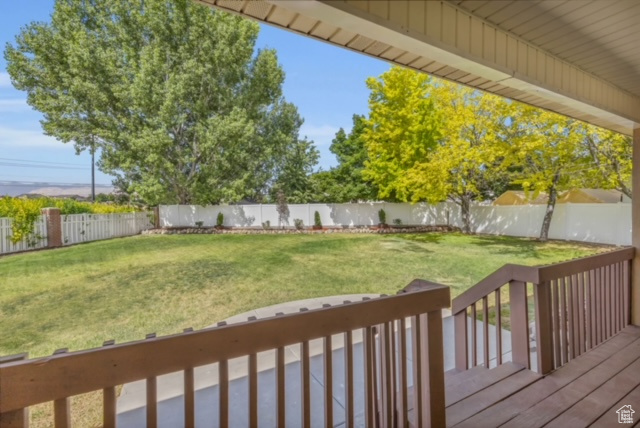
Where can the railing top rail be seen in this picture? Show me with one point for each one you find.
(536, 275)
(30, 382)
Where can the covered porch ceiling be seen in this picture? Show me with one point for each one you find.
(578, 58)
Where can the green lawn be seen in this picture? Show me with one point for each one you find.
(121, 289)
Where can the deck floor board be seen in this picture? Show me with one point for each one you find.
(585, 391)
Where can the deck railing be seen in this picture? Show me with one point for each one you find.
(397, 331)
(576, 305)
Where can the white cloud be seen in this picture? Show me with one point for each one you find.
(27, 138)
(321, 135)
(10, 105)
(5, 81)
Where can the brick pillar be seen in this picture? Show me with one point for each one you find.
(54, 227)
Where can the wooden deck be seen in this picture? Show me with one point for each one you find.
(585, 392)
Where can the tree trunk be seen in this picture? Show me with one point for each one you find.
(465, 210)
(551, 205)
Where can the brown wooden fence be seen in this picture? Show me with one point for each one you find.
(383, 322)
(576, 305)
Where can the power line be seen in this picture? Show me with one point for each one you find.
(40, 162)
(26, 165)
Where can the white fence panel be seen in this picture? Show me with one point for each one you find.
(599, 223)
(78, 228)
(38, 240)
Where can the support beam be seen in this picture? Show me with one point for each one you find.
(635, 228)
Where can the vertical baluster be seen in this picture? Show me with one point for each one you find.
(402, 406)
(223, 385)
(616, 299)
(108, 401)
(377, 375)
(435, 368)
(152, 396)
(370, 375)
(253, 391)
(348, 379)
(280, 375)
(306, 385)
(619, 295)
(461, 340)
(626, 292)
(498, 309)
(419, 371)
(589, 277)
(328, 383)
(386, 378)
(394, 367)
(564, 342)
(569, 322)
(544, 329)
(519, 323)
(61, 410)
(599, 306)
(485, 330)
(581, 308)
(607, 301)
(555, 286)
(280, 385)
(572, 315)
(474, 336)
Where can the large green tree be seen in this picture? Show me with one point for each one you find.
(172, 93)
(610, 153)
(402, 129)
(345, 182)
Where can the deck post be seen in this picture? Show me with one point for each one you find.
(635, 227)
(16, 418)
(519, 323)
(544, 337)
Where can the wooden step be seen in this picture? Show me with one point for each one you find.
(511, 407)
(477, 381)
(489, 396)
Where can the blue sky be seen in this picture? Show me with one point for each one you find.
(325, 82)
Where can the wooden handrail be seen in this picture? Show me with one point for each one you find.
(536, 275)
(25, 383)
(578, 304)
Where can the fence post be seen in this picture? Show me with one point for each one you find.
(54, 227)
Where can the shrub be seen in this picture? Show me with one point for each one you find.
(298, 223)
(266, 225)
(199, 223)
(220, 220)
(382, 216)
(397, 221)
(316, 219)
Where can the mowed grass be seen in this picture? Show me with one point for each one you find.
(121, 289)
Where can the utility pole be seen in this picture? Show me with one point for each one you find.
(93, 169)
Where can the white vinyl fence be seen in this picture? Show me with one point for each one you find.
(598, 223)
(78, 228)
(332, 215)
(38, 240)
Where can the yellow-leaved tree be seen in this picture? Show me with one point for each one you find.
(431, 140)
